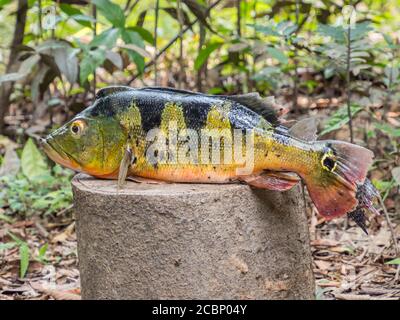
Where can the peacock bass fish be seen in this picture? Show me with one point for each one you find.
(171, 135)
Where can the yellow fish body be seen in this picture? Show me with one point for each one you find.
(182, 136)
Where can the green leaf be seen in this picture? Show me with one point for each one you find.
(69, 10)
(337, 33)
(267, 30)
(13, 76)
(394, 261)
(132, 37)
(339, 119)
(360, 30)
(4, 3)
(67, 62)
(6, 246)
(90, 61)
(24, 69)
(17, 240)
(42, 252)
(111, 11)
(389, 130)
(277, 54)
(33, 164)
(145, 34)
(24, 259)
(6, 218)
(87, 67)
(107, 38)
(114, 58)
(205, 53)
(77, 15)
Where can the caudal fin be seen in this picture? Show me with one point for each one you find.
(333, 183)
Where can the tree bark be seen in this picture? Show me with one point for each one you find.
(187, 241)
(7, 87)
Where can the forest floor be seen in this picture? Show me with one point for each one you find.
(347, 263)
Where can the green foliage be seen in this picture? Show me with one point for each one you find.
(24, 254)
(41, 257)
(24, 259)
(338, 119)
(394, 261)
(33, 164)
(111, 11)
(77, 15)
(388, 129)
(43, 62)
(36, 189)
(336, 49)
(205, 53)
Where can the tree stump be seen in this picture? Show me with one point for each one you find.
(191, 241)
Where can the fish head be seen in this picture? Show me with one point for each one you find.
(93, 145)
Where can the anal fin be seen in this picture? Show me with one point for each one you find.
(272, 180)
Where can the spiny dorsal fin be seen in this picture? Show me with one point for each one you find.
(168, 89)
(110, 90)
(265, 107)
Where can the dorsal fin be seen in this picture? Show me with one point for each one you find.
(168, 89)
(110, 90)
(265, 107)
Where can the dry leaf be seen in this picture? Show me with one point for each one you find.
(61, 237)
(323, 265)
(56, 293)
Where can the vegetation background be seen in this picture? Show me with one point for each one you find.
(337, 61)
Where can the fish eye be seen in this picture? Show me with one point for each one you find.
(328, 162)
(77, 127)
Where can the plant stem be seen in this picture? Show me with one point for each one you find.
(40, 19)
(94, 14)
(157, 9)
(200, 72)
(239, 35)
(295, 62)
(392, 232)
(181, 64)
(18, 37)
(348, 82)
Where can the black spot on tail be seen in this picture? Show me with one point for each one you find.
(329, 163)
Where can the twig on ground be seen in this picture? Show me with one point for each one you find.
(392, 232)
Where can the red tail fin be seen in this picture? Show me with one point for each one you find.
(333, 184)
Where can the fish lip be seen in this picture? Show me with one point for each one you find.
(57, 154)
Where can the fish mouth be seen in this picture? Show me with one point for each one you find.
(58, 155)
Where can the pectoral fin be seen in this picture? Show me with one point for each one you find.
(124, 166)
(271, 180)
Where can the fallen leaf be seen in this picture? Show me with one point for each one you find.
(324, 242)
(323, 265)
(63, 236)
(56, 293)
